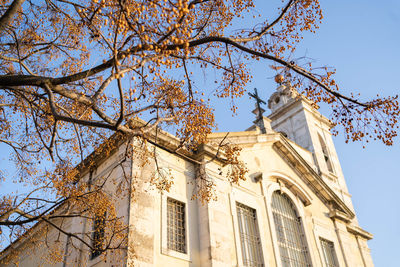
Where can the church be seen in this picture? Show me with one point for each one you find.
(293, 209)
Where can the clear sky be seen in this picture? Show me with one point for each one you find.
(361, 39)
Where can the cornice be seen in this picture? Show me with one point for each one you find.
(157, 137)
(338, 215)
(358, 231)
(294, 159)
(315, 181)
(307, 106)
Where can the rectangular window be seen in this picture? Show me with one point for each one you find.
(98, 235)
(176, 231)
(249, 236)
(328, 250)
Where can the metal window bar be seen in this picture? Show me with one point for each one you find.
(98, 237)
(176, 231)
(249, 236)
(290, 233)
(328, 250)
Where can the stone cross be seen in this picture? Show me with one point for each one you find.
(259, 110)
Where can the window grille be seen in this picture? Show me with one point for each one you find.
(249, 236)
(326, 154)
(98, 235)
(176, 232)
(328, 250)
(290, 233)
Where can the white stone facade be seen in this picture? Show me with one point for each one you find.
(294, 166)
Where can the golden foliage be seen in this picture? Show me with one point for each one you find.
(237, 170)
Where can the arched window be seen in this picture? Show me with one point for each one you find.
(289, 231)
(326, 154)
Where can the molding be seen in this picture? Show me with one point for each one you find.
(238, 195)
(187, 256)
(286, 150)
(291, 184)
(271, 187)
(358, 231)
(338, 215)
(315, 181)
(307, 106)
(157, 137)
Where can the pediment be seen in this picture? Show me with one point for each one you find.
(297, 162)
(289, 154)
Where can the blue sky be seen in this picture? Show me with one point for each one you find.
(361, 39)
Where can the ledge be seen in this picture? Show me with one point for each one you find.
(358, 231)
(338, 215)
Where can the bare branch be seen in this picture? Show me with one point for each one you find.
(6, 18)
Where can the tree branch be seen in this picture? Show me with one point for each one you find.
(9, 14)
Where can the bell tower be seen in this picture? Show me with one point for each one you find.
(294, 116)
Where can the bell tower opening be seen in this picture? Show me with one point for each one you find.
(325, 153)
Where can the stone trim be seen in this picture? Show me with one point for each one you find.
(164, 247)
(358, 231)
(320, 188)
(338, 215)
